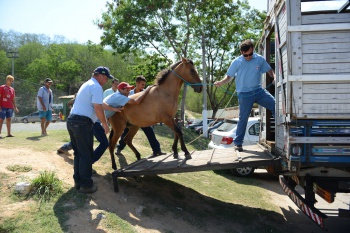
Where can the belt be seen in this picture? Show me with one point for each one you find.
(80, 118)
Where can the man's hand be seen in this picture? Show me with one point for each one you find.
(105, 127)
(218, 84)
(274, 82)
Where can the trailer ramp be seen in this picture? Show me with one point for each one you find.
(215, 159)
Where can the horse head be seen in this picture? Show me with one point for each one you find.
(189, 74)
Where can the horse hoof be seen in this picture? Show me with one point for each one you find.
(176, 156)
(188, 157)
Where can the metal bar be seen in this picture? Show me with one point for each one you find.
(319, 140)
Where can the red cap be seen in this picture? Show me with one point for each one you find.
(124, 85)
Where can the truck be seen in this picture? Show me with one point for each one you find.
(310, 53)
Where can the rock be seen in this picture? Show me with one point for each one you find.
(22, 188)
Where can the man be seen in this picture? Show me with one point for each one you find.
(7, 104)
(44, 105)
(87, 109)
(115, 102)
(114, 88)
(248, 69)
(155, 145)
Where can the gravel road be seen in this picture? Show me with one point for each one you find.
(18, 127)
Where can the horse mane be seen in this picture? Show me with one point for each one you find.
(161, 76)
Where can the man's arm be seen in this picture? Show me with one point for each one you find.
(139, 99)
(225, 80)
(108, 107)
(14, 104)
(42, 103)
(101, 116)
(272, 74)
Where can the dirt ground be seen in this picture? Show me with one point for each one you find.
(131, 205)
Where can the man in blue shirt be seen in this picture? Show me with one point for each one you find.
(44, 105)
(114, 88)
(247, 69)
(87, 109)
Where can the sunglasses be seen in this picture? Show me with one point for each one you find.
(248, 55)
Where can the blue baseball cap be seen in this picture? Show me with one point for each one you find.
(103, 70)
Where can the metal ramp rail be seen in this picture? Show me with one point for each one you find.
(215, 159)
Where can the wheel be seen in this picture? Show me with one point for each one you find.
(25, 120)
(243, 171)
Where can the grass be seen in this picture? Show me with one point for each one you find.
(46, 186)
(19, 168)
(229, 199)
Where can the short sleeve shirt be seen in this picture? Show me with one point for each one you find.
(108, 92)
(116, 100)
(90, 93)
(47, 97)
(7, 94)
(248, 73)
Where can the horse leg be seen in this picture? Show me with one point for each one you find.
(128, 140)
(111, 145)
(178, 136)
(182, 143)
(115, 134)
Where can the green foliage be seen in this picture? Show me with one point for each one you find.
(46, 186)
(151, 66)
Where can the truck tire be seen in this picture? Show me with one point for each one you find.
(243, 171)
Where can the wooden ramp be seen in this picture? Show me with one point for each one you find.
(215, 159)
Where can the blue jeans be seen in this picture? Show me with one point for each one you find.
(81, 136)
(246, 101)
(150, 136)
(101, 137)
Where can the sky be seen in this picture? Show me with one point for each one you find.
(72, 19)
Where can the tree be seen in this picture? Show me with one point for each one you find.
(177, 27)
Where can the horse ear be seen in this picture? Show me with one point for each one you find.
(184, 60)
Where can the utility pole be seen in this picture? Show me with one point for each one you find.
(13, 55)
(205, 112)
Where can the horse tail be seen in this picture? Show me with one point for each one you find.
(110, 134)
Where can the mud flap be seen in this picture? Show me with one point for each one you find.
(313, 213)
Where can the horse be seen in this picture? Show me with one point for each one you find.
(159, 105)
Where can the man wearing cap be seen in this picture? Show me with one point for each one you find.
(44, 105)
(115, 102)
(87, 109)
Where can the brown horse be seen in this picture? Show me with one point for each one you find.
(159, 105)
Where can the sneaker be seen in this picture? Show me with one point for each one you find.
(118, 152)
(91, 189)
(62, 151)
(158, 153)
(1, 137)
(239, 148)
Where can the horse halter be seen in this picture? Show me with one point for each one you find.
(187, 83)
